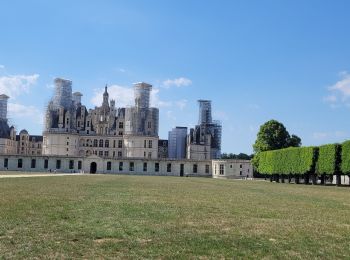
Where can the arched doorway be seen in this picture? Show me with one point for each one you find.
(93, 167)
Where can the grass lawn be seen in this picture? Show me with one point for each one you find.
(105, 216)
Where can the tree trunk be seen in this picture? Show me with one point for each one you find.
(323, 179)
(306, 179)
(270, 178)
(297, 180)
(338, 180)
(289, 178)
(314, 179)
(282, 178)
(277, 178)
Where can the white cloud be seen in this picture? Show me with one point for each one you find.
(340, 91)
(320, 135)
(330, 135)
(17, 110)
(123, 96)
(16, 85)
(2, 67)
(179, 82)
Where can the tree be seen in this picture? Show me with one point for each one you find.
(241, 156)
(272, 136)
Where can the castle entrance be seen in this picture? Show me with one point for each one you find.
(93, 167)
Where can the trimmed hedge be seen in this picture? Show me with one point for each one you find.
(293, 160)
(328, 159)
(345, 157)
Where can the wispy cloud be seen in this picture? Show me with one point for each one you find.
(17, 110)
(2, 67)
(330, 135)
(339, 93)
(178, 82)
(124, 96)
(16, 85)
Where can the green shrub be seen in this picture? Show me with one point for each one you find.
(293, 160)
(328, 159)
(345, 157)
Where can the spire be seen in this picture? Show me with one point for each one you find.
(105, 98)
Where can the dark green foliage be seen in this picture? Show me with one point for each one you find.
(345, 157)
(293, 160)
(241, 156)
(328, 159)
(272, 136)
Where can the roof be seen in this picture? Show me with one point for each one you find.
(3, 96)
(23, 132)
(4, 129)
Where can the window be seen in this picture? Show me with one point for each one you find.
(113, 143)
(145, 144)
(131, 166)
(222, 171)
(156, 167)
(120, 166)
(215, 168)
(100, 153)
(120, 143)
(95, 143)
(195, 168)
(231, 166)
(145, 167)
(121, 125)
(107, 143)
(120, 133)
(46, 164)
(101, 143)
(88, 124)
(67, 143)
(58, 164)
(240, 173)
(120, 154)
(6, 162)
(168, 167)
(149, 125)
(106, 153)
(79, 165)
(71, 164)
(19, 163)
(240, 166)
(33, 164)
(207, 168)
(150, 143)
(109, 166)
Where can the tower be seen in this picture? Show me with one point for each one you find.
(63, 93)
(142, 95)
(3, 106)
(204, 112)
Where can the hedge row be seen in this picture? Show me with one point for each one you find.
(327, 159)
(345, 158)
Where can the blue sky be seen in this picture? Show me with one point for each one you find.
(256, 61)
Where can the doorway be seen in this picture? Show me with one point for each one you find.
(182, 170)
(93, 167)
